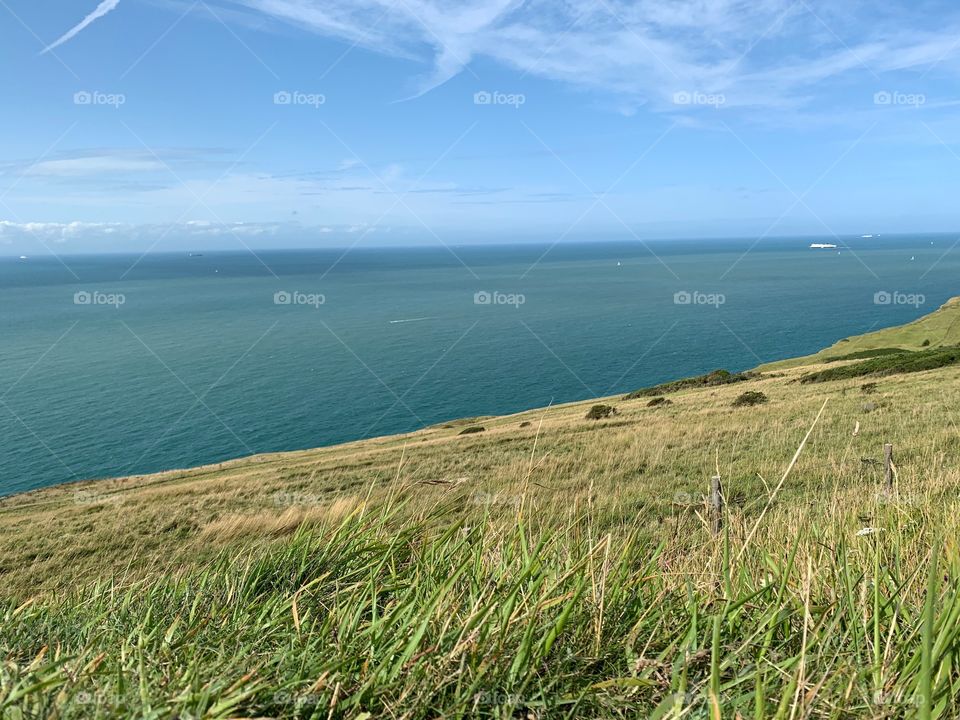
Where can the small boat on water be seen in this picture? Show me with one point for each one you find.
(866, 236)
(823, 246)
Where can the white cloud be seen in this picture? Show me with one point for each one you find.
(40, 238)
(60, 233)
(102, 9)
(758, 53)
(53, 232)
(93, 165)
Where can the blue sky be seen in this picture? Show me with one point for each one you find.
(171, 124)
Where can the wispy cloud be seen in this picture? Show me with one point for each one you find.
(110, 163)
(97, 165)
(757, 53)
(102, 9)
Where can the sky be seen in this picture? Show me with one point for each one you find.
(169, 124)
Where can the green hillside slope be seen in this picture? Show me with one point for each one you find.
(940, 328)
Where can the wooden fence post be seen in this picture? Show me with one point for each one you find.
(717, 502)
(888, 465)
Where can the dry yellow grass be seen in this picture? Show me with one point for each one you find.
(268, 524)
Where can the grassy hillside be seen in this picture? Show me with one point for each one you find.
(938, 329)
(549, 566)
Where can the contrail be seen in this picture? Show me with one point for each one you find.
(102, 9)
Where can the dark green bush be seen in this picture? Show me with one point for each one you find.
(599, 412)
(717, 377)
(889, 365)
(749, 398)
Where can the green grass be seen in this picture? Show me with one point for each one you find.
(866, 354)
(481, 620)
(939, 329)
(888, 365)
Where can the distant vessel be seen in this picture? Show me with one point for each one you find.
(866, 236)
(409, 320)
(823, 246)
(196, 254)
(618, 263)
(23, 257)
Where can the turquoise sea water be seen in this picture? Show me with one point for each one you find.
(201, 363)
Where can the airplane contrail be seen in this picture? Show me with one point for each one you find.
(102, 9)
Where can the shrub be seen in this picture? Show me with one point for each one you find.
(889, 365)
(473, 429)
(925, 343)
(749, 398)
(525, 423)
(868, 388)
(659, 401)
(711, 379)
(599, 412)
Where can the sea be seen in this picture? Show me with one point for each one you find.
(115, 365)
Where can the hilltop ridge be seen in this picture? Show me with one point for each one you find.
(941, 328)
